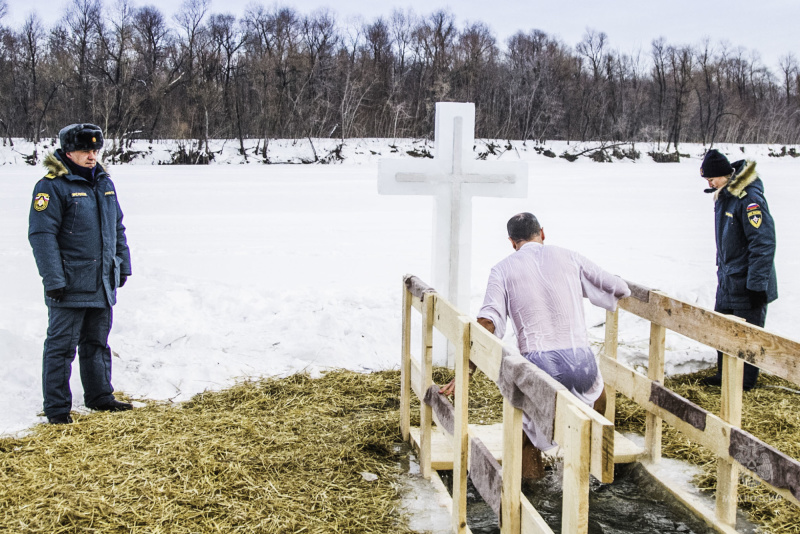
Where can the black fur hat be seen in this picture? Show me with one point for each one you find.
(81, 137)
(715, 164)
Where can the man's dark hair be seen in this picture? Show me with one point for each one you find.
(523, 227)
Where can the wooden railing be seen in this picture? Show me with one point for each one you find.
(734, 448)
(586, 438)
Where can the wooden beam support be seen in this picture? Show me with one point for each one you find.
(773, 353)
(461, 429)
(638, 387)
(425, 416)
(655, 371)
(446, 320)
(780, 471)
(512, 469)
(444, 495)
(573, 434)
(720, 437)
(610, 348)
(727, 494)
(731, 398)
(602, 440)
(416, 379)
(486, 351)
(676, 405)
(531, 521)
(405, 367)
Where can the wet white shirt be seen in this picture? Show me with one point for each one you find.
(541, 289)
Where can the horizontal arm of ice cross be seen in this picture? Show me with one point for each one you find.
(456, 178)
(388, 169)
(516, 185)
(425, 177)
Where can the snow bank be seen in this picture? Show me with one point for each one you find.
(248, 270)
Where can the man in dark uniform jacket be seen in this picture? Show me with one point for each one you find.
(745, 235)
(76, 232)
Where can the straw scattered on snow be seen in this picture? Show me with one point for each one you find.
(273, 455)
(289, 455)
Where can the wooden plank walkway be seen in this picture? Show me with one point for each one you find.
(625, 451)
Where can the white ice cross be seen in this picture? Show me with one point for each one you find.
(453, 177)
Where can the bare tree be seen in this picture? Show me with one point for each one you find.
(35, 90)
(680, 68)
(278, 72)
(789, 69)
(122, 95)
(152, 42)
(80, 21)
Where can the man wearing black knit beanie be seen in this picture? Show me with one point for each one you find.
(745, 237)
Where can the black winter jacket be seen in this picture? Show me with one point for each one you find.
(745, 233)
(76, 232)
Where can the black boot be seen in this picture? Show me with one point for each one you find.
(113, 406)
(60, 419)
(713, 380)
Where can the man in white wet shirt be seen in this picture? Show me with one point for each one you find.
(541, 290)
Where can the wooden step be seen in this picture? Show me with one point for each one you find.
(625, 451)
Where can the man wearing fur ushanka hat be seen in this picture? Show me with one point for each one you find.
(745, 235)
(76, 232)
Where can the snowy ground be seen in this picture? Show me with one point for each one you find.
(247, 270)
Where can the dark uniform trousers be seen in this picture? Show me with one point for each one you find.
(87, 329)
(754, 316)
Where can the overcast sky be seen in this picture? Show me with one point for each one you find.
(767, 26)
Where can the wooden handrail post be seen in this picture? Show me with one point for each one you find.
(510, 522)
(577, 454)
(727, 494)
(655, 371)
(610, 349)
(461, 429)
(405, 367)
(425, 415)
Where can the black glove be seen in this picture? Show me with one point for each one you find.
(56, 294)
(757, 298)
(122, 280)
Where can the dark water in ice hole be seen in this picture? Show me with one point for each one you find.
(633, 504)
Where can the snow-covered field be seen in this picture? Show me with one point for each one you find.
(248, 270)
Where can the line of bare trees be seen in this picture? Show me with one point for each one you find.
(277, 73)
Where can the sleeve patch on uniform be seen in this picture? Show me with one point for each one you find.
(110, 193)
(752, 207)
(79, 194)
(41, 201)
(754, 217)
(728, 214)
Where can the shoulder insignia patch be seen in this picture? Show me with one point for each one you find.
(41, 201)
(754, 217)
(50, 175)
(728, 214)
(110, 193)
(752, 207)
(78, 194)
